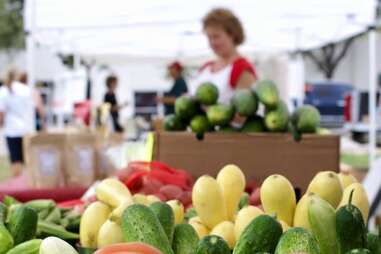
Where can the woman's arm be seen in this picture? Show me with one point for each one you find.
(246, 80)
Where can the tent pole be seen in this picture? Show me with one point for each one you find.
(372, 97)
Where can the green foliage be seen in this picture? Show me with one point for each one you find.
(11, 24)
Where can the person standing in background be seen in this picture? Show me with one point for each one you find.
(17, 104)
(110, 97)
(40, 114)
(179, 87)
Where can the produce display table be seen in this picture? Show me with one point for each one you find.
(258, 155)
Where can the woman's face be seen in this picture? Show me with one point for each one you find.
(220, 42)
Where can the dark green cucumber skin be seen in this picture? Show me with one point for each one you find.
(359, 251)
(350, 228)
(3, 212)
(297, 240)
(212, 244)
(261, 235)
(140, 224)
(373, 243)
(22, 224)
(185, 239)
(166, 218)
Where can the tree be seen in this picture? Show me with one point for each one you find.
(12, 35)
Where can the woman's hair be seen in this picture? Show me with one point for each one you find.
(10, 74)
(225, 19)
(110, 80)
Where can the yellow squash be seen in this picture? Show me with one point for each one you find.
(244, 217)
(113, 192)
(346, 179)
(140, 199)
(225, 230)
(109, 233)
(278, 197)
(92, 220)
(208, 201)
(232, 182)
(359, 199)
(285, 227)
(152, 199)
(327, 185)
(200, 228)
(301, 212)
(178, 210)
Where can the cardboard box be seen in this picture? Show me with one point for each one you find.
(258, 155)
(104, 167)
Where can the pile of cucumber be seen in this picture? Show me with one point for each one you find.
(23, 225)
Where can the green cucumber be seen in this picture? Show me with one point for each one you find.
(212, 244)
(22, 224)
(297, 240)
(350, 228)
(140, 224)
(359, 251)
(29, 247)
(166, 218)
(6, 240)
(244, 201)
(185, 239)
(373, 243)
(322, 219)
(190, 213)
(261, 235)
(3, 213)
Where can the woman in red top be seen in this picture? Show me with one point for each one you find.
(230, 70)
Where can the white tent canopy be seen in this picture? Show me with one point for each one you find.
(172, 28)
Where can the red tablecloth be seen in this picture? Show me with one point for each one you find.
(19, 189)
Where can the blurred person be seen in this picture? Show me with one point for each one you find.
(230, 70)
(110, 97)
(179, 87)
(40, 114)
(17, 105)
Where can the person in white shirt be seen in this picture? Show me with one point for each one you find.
(17, 105)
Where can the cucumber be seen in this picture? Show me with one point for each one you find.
(185, 239)
(3, 213)
(6, 240)
(28, 247)
(350, 228)
(359, 251)
(190, 213)
(297, 240)
(166, 218)
(261, 235)
(22, 224)
(139, 224)
(212, 244)
(244, 201)
(373, 243)
(322, 220)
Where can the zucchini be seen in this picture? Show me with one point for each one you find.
(297, 240)
(6, 240)
(22, 224)
(166, 218)
(261, 235)
(28, 247)
(350, 228)
(185, 239)
(212, 244)
(139, 224)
